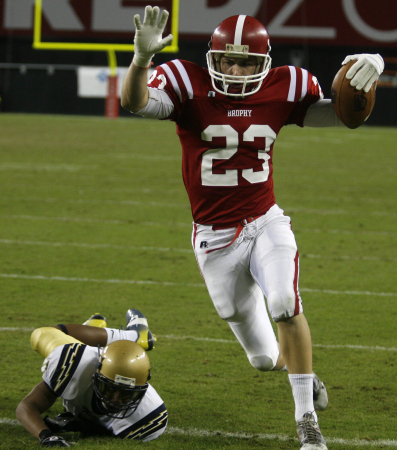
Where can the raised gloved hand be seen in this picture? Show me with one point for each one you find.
(149, 35)
(48, 439)
(365, 71)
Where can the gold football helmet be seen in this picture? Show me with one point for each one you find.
(121, 379)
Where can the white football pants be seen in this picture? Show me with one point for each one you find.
(263, 260)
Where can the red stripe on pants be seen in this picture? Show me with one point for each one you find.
(296, 279)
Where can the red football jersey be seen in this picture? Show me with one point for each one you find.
(227, 143)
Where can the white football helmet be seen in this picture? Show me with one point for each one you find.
(239, 37)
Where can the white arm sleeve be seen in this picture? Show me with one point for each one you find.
(159, 105)
(322, 114)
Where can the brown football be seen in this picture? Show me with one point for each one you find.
(353, 107)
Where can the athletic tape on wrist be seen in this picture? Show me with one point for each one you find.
(148, 67)
(63, 328)
(44, 434)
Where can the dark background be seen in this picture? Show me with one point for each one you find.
(45, 81)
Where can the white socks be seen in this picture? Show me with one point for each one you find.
(302, 390)
(117, 335)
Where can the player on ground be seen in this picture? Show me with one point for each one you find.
(228, 118)
(101, 374)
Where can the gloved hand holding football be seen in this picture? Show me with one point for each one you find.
(354, 86)
(365, 71)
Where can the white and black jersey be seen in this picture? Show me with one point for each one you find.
(68, 371)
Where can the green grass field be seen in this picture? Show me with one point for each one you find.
(94, 218)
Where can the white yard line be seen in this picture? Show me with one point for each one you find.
(169, 249)
(347, 257)
(229, 341)
(184, 224)
(331, 291)
(336, 198)
(196, 432)
(89, 220)
(277, 437)
(234, 341)
(81, 201)
(13, 422)
(48, 167)
(94, 280)
(185, 205)
(82, 189)
(170, 283)
(94, 246)
(326, 212)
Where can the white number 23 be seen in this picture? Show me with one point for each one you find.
(230, 177)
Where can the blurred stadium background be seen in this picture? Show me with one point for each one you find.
(311, 34)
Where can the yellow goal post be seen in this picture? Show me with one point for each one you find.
(112, 104)
(39, 44)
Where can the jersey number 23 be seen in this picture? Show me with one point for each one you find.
(230, 177)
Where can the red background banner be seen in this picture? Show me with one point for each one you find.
(331, 22)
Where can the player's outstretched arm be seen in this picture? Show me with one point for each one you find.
(92, 336)
(29, 411)
(322, 114)
(46, 339)
(148, 41)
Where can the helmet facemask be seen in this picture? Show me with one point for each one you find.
(117, 400)
(250, 83)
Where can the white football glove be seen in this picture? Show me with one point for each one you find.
(365, 71)
(148, 36)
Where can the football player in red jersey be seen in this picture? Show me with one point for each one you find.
(227, 118)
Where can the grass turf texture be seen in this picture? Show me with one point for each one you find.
(94, 218)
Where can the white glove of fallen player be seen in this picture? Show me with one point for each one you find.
(365, 71)
(149, 35)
